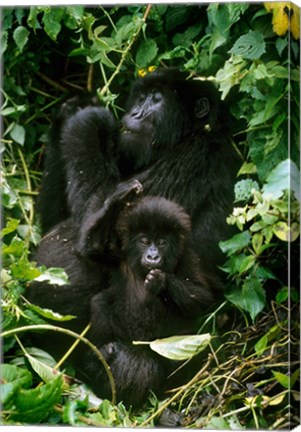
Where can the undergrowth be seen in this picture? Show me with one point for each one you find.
(248, 375)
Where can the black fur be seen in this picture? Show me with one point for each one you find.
(147, 299)
(175, 142)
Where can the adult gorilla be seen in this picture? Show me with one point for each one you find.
(175, 141)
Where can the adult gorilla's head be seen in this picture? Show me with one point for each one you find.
(164, 107)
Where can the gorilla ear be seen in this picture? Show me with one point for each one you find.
(202, 107)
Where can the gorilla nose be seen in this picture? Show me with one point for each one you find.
(153, 256)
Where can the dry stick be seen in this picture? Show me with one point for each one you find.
(178, 393)
(125, 53)
(50, 81)
(76, 336)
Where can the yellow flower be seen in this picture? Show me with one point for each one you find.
(286, 16)
(142, 72)
(151, 68)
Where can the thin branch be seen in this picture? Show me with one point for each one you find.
(125, 53)
(74, 335)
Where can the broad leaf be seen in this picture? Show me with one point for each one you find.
(250, 46)
(12, 379)
(20, 36)
(285, 176)
(147, 51)
(49, 314)
(35, 404)
(236, 243)
(181, 347)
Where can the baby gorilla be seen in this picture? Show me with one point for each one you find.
(159, 290)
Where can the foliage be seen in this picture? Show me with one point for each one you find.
(251, 53)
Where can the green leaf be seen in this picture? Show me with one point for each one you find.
(250, 46)
(254, 296)
(46, 373)
(271, 335)
(20, 36)
(52, 21)
(11, 226)
(287, 381)
(3, 41)
(15, 248)
(243, 189)
(18, 134)
(147, 51)
(285, 176)
(251, 298)
(72, 410)
(257, 240)
(34, 405)
(54, 275)
(13, 379)
(175, 16)
(180, 347)
(23, 269)
(236, 243)
(49, 314)
(285, 232)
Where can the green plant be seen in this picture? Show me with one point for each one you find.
(251, 52)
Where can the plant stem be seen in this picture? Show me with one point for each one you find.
(106, 87)
(74, 335)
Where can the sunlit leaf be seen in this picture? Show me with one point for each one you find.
(45, 372)
(49, 314)
(20, 36)
(180, 347)
(55, 276)
(287, 381)
(285, 176)
(18, 134)
(285, 232)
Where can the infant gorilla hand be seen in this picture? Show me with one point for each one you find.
(155, 281)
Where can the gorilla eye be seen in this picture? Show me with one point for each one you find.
(162, 242)
(144, 241)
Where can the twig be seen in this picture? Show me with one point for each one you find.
(125, 53)
(177, 394)
(74, 335)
